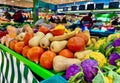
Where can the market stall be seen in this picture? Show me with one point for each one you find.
(48, 51)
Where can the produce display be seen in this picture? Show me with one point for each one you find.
(83, 58)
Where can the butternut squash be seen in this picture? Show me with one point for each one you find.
(45, 41)
(61, 63)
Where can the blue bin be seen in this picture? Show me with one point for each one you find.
(55, 79)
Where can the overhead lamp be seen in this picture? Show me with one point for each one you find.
(12, 1)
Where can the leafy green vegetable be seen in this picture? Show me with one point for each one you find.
(99, 78)
(77, 78)
(116, 77)
(118, 71)
(109, 51)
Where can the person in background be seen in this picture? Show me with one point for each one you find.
(57, 20)
(52, 22)
(87, 21)
(64, 20)
(18, 17)
(115, 21)
(7, 15)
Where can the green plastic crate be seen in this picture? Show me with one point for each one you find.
(36, 68)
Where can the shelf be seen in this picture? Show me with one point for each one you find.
(36, 68)
(94, 11)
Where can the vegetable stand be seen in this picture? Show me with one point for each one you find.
(37, 69)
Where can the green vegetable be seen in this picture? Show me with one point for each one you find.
(77, 78)
(118, 71)
(99, 78)
(110, 73)
(116, 77)
(108, 51)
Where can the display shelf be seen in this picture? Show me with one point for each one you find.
(87, 11)
(101, 33)
(36, 68)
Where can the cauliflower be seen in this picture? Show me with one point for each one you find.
(72, 70)
(89, 69)
(99, 43)
(99, 57)
(116, 42)
(113, 57)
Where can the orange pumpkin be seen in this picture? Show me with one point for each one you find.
(76, 44)
(82, 35)
(57, 32)
(25, 50)
(34, 54)
(12, 44)
(44, 29)
(27, 37)
(46, 60)
(66, 53)
(19, 47)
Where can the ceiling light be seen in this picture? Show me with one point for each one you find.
(12, 1)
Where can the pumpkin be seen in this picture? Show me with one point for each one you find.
(46, 60)
(44, 29)
(82, 35)
(66, 53)
(57, 32)
(34, 54)
(27, 37)
(12, 44)
(25, 50)
(76, 44)
(19, 47)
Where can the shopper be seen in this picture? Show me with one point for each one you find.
(52, 22)
(87, 21)
(115, 21)
(64, 20)
(7, 15)
(18, 17)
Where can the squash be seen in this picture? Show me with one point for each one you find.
(12, 44)
(19, 47)
(84, 36)
(66, 53)
(25, 50)
(61, 63)
(35, 41)
(44, 29)
(57, 32)
(65, 36)
(34, 54)
(57, 46)
(82, 54)
(46, 59)
(76, 44)
(20, 37)
(27, 28)
(45, 41)
(27, 37)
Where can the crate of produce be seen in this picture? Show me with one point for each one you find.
(37, 69)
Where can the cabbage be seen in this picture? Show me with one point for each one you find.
(89, 69)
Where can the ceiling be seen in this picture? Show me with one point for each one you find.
(62, 1)
(29, 3)
(20, 3)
